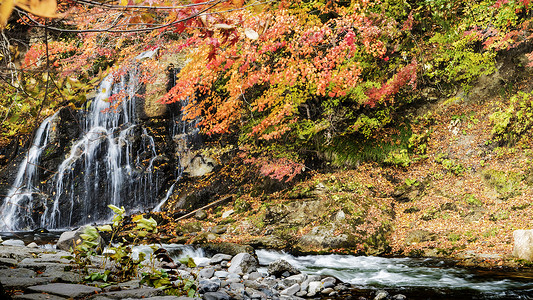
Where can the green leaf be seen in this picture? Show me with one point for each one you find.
(105, 228)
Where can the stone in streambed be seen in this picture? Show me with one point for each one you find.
(206, 285)
(216, 296)
(14, 243)
(280, 266)
(206, 273)
(219, 257)
(65, 289)
(243, 263)
(314, 288)
(381, 295)
(292, 290)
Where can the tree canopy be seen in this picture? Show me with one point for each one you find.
(289, 79)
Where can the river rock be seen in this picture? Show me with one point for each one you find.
(219, 257)
(292, 290)
(314, 288)
(70, 239)
(328, 282)
(207, 285)
(523, 244)
(399, 297)
(243, 263)
(381, 295)
(221, 274)
(33, 245)
(280, 266)
(14, 243)
(206, 273)
(216, 296)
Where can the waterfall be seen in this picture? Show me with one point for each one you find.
(113, 161)
(19, 198)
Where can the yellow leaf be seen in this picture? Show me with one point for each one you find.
(41, 8)
(6, 7)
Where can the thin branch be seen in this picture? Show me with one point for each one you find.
(111, 30)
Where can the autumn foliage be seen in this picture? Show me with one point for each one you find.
(289, 78)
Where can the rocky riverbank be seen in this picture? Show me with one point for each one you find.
(33, 272)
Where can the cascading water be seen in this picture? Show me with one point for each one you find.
(113, 161)
(19, 199)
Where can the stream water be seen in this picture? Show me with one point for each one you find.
(416, 278)
(413, 277)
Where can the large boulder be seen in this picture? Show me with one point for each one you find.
(280, 266)
(523, 244)
(243, 263)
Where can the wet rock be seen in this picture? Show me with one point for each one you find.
(228, 248)
(216, 296)
(219, 257)
(221, 274)
(70, 239)
(243, 263)
(314, 288)
(65, 289)
(206, 285)
(328, 282)
(280, 266)
(269, 242)
(381, 295)
(253, 276)
(32, 245)
(523, 244)
(399, 297)
(14, 243)
(292, 290)
(206, 272)
(325, 237)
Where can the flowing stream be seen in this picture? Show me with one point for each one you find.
(415, 278)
